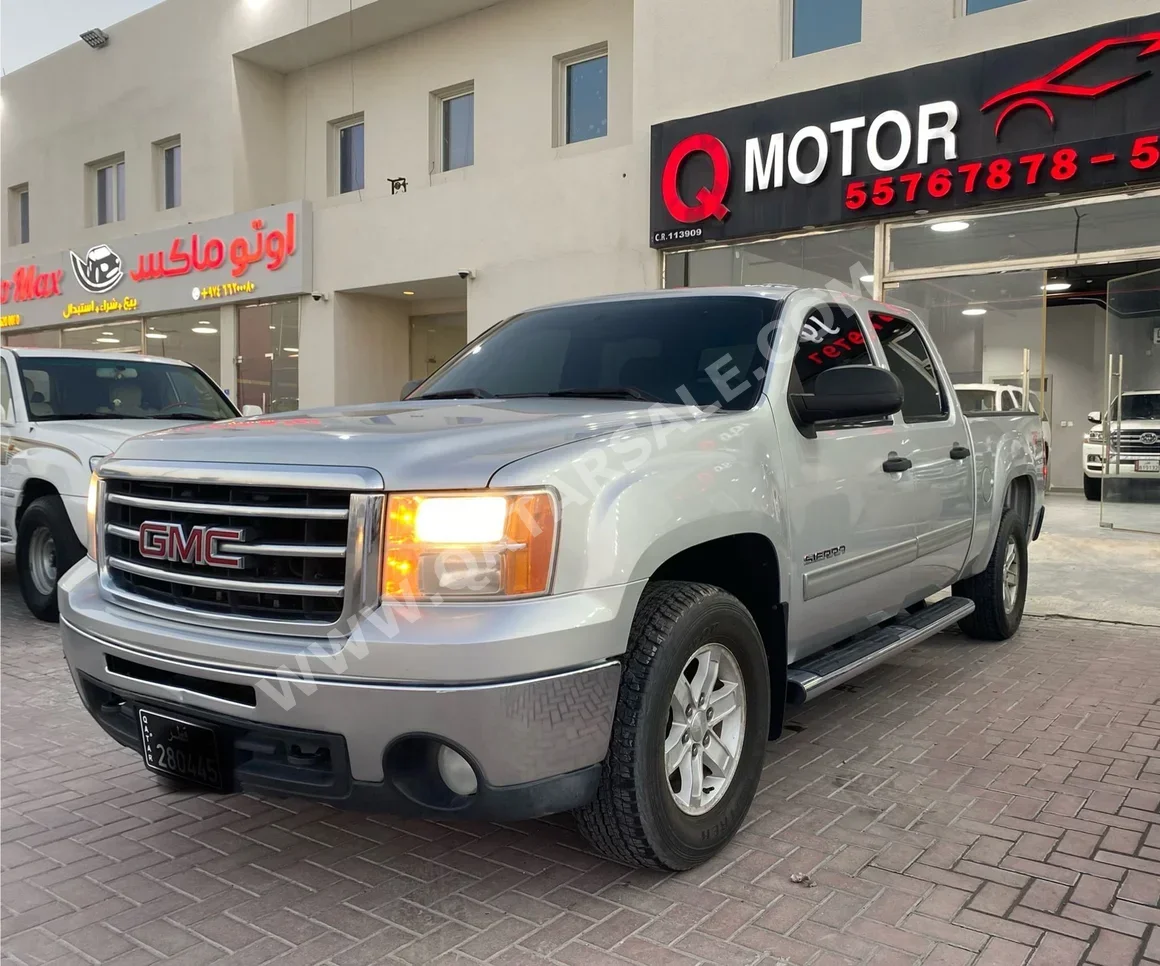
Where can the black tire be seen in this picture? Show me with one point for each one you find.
(992, 620)
(634, 818)
(1092, 487)
(45, 520)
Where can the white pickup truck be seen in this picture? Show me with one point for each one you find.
(585, 565)
(62, 411)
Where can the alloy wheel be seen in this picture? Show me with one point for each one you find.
(706, 729)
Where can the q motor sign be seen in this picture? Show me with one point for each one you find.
(260, 254)
(1072, 113)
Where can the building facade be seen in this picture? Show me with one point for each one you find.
(446, 164)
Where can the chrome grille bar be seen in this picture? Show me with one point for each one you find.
(259, 549)
(233, 509)
(221, 583)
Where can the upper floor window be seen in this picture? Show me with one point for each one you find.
(168, 161)
(822, 24)
(108, 178)
(456, 128)
(18, 228)
(583, 104)
(347, 165)
(978, 6)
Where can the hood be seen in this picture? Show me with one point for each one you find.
(436, 444)
(97, 437)
(1133, 426)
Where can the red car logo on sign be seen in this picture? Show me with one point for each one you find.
(1054, 82)
(198, 545)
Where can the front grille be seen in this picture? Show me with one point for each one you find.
(1141, 443)
(294, 548)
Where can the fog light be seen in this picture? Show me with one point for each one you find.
(456, 772)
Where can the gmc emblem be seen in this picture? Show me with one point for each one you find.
(200, 545)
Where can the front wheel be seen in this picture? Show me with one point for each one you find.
(688, 739)
(46, 548)
(1000, 591)
(1092, 487)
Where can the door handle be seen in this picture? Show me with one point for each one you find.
(959, 452)
(896, 464)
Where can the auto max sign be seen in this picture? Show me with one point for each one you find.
(260, 254)
(1066, 114)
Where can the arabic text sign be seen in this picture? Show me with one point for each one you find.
(263, 254)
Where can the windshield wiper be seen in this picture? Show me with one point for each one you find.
(610, 392)
(472, 393)
(202, 416)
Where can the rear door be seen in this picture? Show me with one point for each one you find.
(851, 521)
(937, 442)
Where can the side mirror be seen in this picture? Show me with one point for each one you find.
(850, 392)
(409, 387)
(1095, 417)
(251, 410)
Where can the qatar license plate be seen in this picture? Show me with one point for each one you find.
(181, 749)
(1148, 466)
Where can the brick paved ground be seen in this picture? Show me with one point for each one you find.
(966, 803)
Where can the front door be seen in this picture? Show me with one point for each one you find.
(937, 443)
(850, 517)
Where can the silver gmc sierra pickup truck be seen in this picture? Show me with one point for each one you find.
(585, 565)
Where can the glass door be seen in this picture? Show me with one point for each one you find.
(268, 356)
(1129, 426)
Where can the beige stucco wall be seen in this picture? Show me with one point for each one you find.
(535, 222)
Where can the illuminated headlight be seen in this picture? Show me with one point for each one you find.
(465, 545)
(91, 514)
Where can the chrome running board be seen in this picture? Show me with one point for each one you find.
(837, 665)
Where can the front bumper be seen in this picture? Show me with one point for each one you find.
(535, 743)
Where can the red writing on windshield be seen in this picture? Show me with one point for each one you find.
(273, 247)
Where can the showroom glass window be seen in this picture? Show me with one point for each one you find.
(586, 99)
(192, 337)
(822, 24)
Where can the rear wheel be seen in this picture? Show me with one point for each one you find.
(688, 739)
(1000, 591)
(46, 548)
(1092, 487)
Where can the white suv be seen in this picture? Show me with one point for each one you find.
(1126, 445)
(62, 411)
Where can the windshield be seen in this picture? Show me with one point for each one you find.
(976, 400)
(703, 349)
(1146, 405)
(60, 387)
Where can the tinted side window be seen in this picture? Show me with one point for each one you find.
(1010, 403)
(830, 337)
(923, 398)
